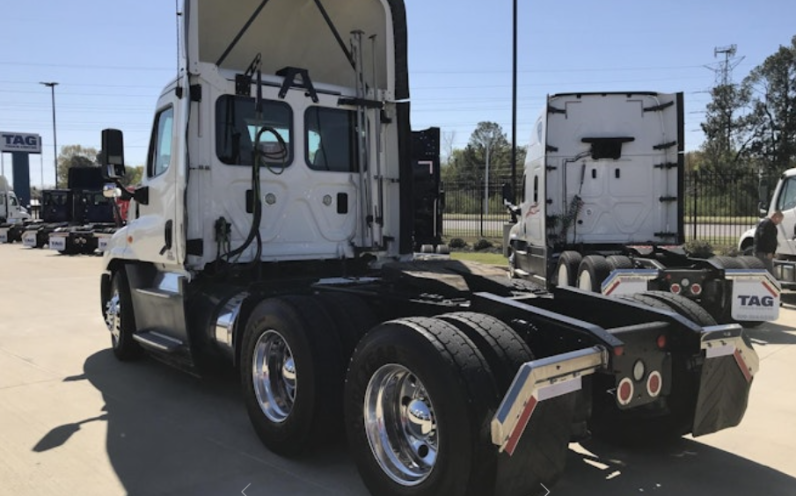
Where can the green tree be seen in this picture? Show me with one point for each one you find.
(726, 128)
(74, 156)
(772, 120)
(133, 175)
(467, 166)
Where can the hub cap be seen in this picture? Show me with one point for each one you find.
(584, 281)
(401, 425)
(274, 376)
(563, 276)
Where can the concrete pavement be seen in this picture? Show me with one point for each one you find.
(73, 420)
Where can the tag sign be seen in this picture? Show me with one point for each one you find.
(18, 142)
(755, 300)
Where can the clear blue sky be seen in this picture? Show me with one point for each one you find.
(111, 59)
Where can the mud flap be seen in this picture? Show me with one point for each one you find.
(532, 427)
(726, 379)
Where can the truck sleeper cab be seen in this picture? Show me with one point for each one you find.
(602, 208)
(273, 231)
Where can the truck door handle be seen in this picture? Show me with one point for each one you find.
(168, 235)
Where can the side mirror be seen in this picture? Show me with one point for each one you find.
(112, 154)
(762, 211)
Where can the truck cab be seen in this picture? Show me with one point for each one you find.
(783, 200)
(295, 105)
(10, 210)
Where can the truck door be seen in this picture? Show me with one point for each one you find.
(156, 225)
(786, 203)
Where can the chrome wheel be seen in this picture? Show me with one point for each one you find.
(113, 311)
(274, 376)
(584, 281)
(400, 424)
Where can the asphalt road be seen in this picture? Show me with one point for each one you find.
(73, 420)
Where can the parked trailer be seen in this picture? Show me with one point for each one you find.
(273, 231)
(602, 208)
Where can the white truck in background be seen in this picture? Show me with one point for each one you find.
(12, 214)
(602, 208)
(784, 200)
(273, 232)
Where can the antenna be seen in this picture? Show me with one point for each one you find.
(723, 69)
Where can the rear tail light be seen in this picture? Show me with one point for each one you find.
(661, 341)
(654, 383)
(696, 289)
(676, 288)
(624, 392)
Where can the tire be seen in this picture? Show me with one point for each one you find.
(619, 262)
(751, 262)
(298, 405)
(120, 319)
(685, 307)
(428, 365)
(352, 318)
(593, 270)
(727, 262)
(567, 269)
(502, 348)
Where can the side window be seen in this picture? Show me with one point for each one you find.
(331, 139)
(160, 145)
(787, 198)
(237, 126)
(12, 200)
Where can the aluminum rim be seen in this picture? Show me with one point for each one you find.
(584, 281)
(401, 425)
(113, 310)
(563, 276)
(274, 376)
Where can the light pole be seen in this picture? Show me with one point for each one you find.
(52, 86)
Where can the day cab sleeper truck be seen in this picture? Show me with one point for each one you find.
(273, 232)
(602, 208)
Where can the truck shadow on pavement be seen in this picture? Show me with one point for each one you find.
(171, 434)
(770, 333)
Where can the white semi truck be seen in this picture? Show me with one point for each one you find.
(273, 232)
(783, 200)
(603, 208)
(12, 215)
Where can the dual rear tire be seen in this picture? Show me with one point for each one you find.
(417, 398)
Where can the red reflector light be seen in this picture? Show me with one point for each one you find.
(654, 383)
(624, 392)
(675, 288)
(661, 341)
(696, 289)
(619, 350)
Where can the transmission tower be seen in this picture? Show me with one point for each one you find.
(723, 69)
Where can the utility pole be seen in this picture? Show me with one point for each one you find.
(514, 106)
(486, 180)
(723, 89)
(52, 86)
